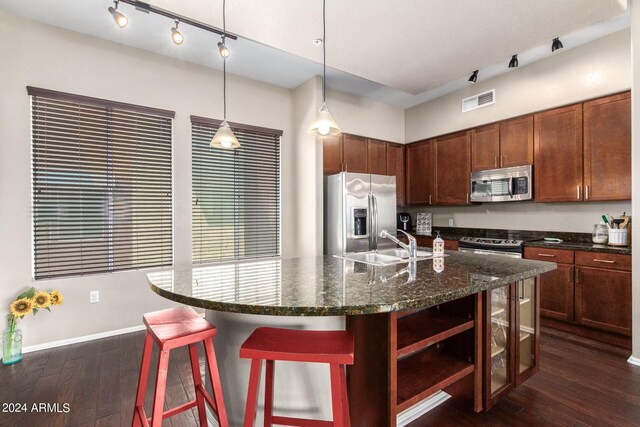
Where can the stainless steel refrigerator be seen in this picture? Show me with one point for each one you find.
(357, 207)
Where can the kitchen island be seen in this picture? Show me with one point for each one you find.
(244, 295)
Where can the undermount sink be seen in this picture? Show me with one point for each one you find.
(384, 257)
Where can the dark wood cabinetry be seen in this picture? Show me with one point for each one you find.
(516, 142)
(377, 157)
(485, 147)
(354, 153)
(607, 148)
(557, 286)
(420, 173)
(332, 155)
(452, 169)
(558, 155)
(395, 167)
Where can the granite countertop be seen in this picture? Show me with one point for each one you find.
(329, 286)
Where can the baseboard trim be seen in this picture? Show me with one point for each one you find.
(84, 338)
(421, 408)
(633, 360)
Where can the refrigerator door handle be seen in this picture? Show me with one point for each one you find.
(374, 222)
(370, 219)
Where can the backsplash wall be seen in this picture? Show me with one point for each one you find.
(572, 217)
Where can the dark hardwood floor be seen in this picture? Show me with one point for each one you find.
(580, 383)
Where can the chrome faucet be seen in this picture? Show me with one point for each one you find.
(411, 247)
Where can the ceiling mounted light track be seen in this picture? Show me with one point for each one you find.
(224, 137)
(556, 44)
(474, 77)
(514, 61)
(324, 123)
(176, 35)
(120, 19)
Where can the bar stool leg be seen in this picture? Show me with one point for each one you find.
(197, 383)
(142, 381)
(161, 386)
(252, 395)
(336, 395)
(216, 385)
(268, 394)
(345, 401)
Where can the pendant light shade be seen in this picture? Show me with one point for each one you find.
(224, 137)
(324, 123)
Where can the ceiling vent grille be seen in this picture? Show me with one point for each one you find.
(480, 100)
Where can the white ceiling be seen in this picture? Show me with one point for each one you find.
(399, 52)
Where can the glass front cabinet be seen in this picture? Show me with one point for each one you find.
(510, 338)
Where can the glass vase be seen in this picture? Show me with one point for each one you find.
(11, 347)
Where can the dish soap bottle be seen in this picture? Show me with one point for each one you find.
(438, 246)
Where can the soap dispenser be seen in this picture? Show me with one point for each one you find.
(438, 246)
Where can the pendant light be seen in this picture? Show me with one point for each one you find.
(324, 123)
(224, 137)
(556, 44)
(120, 19)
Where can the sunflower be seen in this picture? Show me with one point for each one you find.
(21, 307)
(42, 299)
(56, 298)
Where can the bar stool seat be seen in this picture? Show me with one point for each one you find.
(170, 329)
(292, 345)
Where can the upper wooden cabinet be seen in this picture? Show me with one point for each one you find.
(332, 155)
(354, 153)
(558, 155)
(420, 173)
(485, 147)
(395, 166)
(453, 168)
(376, 157)
(516, 142)
(607, 148)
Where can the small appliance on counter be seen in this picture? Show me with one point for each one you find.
(404, 221)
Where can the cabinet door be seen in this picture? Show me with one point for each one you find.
(558, 155)
(354, 153)
(603, 299)
(528, 329)
(453, 169)
(607, 148)
(420, 173)
(516, 142)
(498, 344)
(485, 147)
(557, 293)
(332, 155)
(376, 157)
(395, 166)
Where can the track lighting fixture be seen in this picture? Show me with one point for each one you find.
(119, 17)
(224, 137)
(514, 61)
(556, 44)
(324, 123)
(176, 35)
(474, 77)
(223, 49)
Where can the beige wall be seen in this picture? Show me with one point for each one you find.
(635, 172)
(588, 71)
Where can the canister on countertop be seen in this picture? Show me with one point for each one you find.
(600, 233)
(438, 246)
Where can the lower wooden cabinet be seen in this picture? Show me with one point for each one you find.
(557, 293)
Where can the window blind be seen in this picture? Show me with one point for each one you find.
(102, 185)
(236, 193)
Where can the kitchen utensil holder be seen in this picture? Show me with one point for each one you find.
(618, 237)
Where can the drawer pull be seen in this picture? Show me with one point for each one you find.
(547, 255)
(608, 261)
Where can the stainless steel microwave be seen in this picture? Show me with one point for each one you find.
(502, 185)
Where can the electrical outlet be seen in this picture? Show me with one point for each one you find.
(94, 296)
(451, 222)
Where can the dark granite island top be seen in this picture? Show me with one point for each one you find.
(329, 286)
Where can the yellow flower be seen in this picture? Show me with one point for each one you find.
(56, 298)
(42, 299)
(21, 307)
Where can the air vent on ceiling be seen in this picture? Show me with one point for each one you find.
(480, 100)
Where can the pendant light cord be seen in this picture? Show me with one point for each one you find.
(324, 52)
(224, 60)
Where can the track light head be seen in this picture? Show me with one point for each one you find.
(224, 50)
(556, 44)
(120, 19)
(514, 61)
(474, 77)
(176, 35)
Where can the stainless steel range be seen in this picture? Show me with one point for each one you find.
(489, 246)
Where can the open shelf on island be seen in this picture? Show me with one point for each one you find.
(496, 351)
(425, 328)
(496, 310)
(422, 374)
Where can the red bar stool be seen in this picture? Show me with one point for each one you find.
(271, 344)
(171, 329)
